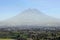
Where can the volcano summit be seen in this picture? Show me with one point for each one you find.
(31, 17)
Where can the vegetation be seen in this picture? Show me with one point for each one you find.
(6, 39)
(34, 34)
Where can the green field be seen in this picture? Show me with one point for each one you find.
(6, 39)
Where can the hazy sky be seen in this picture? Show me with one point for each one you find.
(10, 8)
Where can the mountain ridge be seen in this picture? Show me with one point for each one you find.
(31, 17)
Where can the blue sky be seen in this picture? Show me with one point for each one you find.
(10, 8)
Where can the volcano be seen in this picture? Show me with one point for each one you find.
(31, 17)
